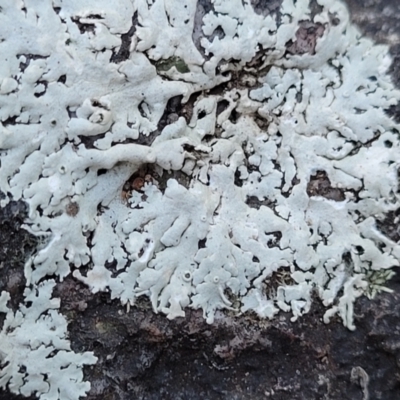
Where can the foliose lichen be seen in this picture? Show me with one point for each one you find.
(280, 105)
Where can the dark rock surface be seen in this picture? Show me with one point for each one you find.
(145, 356)
(380, 21)
(16, 245)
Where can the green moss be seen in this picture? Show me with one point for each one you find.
(166, 65)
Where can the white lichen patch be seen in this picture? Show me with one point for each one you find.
(216, 205)
(35, 351)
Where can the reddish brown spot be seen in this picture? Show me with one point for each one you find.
(137, 184)
(72, 209)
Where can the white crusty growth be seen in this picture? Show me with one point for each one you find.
(36, 352)
(265, 185)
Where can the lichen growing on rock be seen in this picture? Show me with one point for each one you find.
(264, 190)
(35, 350)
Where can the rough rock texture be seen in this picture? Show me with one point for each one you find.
(16, 245)
(380, 20)
(145, 356)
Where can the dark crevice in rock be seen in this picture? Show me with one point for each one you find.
(315, 8)
(148, 174)
(266, 7)
(126, 40)
(89, 141)
(306, 38)
(83, 28)
(10, 120)
(11, 396)
(254, 202)
(222, 105)
(280, 277)
(17, 245)
(237, 179)
(173, 110)
(203, 8)
(202, 243)
(320, 185)
(41, 93)
(274, 241)
(390, 225)
(28, 58)
(62, 79)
